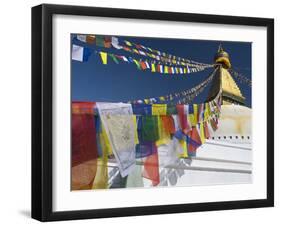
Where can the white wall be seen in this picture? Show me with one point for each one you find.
(15, 110)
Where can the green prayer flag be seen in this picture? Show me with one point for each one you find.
(150, 130)
(114, 58)
(99, 41)
(171, 110)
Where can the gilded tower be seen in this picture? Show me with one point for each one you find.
(231, 93)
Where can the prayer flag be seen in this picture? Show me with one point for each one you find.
(103, 56)
(159, 109)
(153, 68)
(159, 68)
(206, 130)
(142, 109)
(143, 65)
(99, 41)
(84, 146)
(81, 38)
(80, 53)
(195, 113)
(149, 128)
(107, 42)
(182, 117)
(128, 43)
(168, 123)
(194, 139)
(90, 39)
(202, 132)
(142, 53)
(135, 178)
(118, 122)
(164, 136)
(138, 64)
(114, 58)
(147, 64)
(115, 43)
(151, 169)
(145, 148)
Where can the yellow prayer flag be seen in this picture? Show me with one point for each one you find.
(153, 69)
(101, 178)
(206, 112)
(135, 129)
(183, 145)
(103, 56)
(159, 109)
(195, 113)
(164, 136)
(191, 119)
(128, 43)
(202, 133)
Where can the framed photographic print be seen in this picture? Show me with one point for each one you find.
(145, 112)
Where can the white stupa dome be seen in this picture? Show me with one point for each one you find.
(234, 124)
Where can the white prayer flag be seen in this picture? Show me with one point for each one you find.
(115, 43)
(77, 53)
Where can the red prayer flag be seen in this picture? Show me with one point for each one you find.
(84, 144)
(143, 65)
(151, 169)
(168, 123)
(183, 118)
(206, 131)
(107, 42)
(194, 140)
(170, 70)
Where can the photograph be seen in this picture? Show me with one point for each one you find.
(152, 112)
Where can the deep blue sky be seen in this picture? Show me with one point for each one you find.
(93, 81)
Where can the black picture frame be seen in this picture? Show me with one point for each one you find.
(42, 107)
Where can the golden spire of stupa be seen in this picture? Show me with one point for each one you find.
(231, 93)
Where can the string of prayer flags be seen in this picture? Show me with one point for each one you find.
(156, 54)
(182, 97)
(102, 41)
(135, 132)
